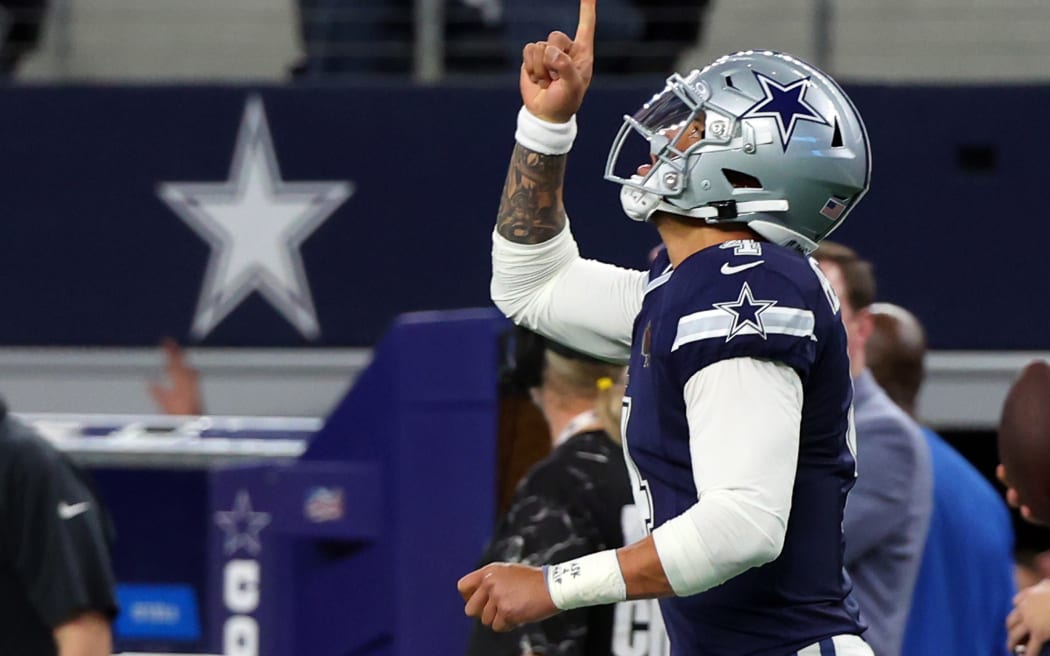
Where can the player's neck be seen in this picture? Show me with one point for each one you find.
(684, 236)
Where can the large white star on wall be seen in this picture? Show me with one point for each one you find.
(255, 223)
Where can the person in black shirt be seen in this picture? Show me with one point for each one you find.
(575, 501)
(56, 583)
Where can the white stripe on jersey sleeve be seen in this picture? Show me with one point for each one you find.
(810, 650)
(744, 416)
(587, 305)
(711, 324)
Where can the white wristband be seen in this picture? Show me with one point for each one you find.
(592, 580)
(543, 136)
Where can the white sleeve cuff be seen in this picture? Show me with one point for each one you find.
(686, 563)
(591, 580)
(543, 136)
(554, 251)
(520, 272)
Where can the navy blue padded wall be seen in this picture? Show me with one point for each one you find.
(426, 410)
(955, 220)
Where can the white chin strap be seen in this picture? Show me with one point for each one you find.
(709, 212)
(639, 205)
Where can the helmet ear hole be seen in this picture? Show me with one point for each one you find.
(741, 180)
(836, 137)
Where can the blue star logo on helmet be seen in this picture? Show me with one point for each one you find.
(786, 104)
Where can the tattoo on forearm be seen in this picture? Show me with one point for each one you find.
(531, 210)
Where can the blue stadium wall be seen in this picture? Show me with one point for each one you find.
(91, 255)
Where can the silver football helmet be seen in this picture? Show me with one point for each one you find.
(776, 144)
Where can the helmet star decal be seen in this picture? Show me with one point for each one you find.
(786, 104)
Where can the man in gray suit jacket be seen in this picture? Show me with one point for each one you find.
(888, 510)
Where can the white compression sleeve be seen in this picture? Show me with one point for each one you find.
(744, 416)
(587, 305)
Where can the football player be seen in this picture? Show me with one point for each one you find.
(737, 415)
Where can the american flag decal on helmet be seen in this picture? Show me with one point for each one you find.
(833, 209)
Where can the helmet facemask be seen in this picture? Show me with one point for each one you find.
(668, 123)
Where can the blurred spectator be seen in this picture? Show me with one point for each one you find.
(953, 611)
(179, 393)
(20, 27)
(1024, 417)
(573, 502)
(56, 584)
(524, 437)
(1029, 621)
(1025, 423)
(888, 510)
(1031, 565)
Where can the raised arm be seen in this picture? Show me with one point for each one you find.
(539, 279)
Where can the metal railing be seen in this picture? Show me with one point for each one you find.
(171, 441)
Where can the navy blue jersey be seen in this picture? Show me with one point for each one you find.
(746, 299)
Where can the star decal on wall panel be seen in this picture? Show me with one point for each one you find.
(242, 525)
(255, 223)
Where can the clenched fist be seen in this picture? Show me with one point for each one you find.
(506, 595)
(555, 73)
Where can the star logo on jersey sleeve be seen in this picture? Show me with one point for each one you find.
(746, 313)
(786, 104)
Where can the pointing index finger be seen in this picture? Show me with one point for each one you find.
(585, 30)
